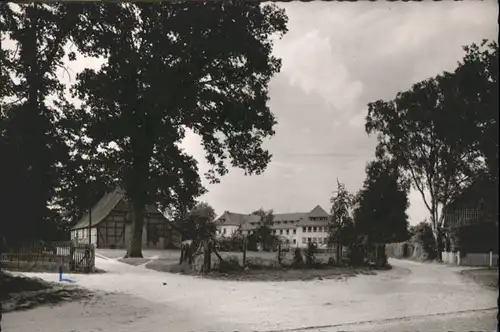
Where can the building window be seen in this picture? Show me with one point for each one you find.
(309, 229)
(308, 239)
(281, 232)
(294, 241)
(314, 229)
(303, 229)
(315, 240)
(274, 231)
(325, 240)
(285, 222)
(294, 231)
(223, 231)
(287, 232)
(303, 240)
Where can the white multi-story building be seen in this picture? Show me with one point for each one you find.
(295, 229)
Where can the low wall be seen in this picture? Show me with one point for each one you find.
(470, 259)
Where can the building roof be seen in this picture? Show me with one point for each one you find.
(250, 221)
(103, 207)
(318, 211)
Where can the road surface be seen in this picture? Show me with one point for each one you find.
(410, 297)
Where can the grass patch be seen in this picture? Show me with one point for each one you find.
(267, 271)
(487, 277)
(21, 293)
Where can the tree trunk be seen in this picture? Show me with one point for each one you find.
(135, 244)
(207, 259)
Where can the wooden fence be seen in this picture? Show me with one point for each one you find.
(68, 255)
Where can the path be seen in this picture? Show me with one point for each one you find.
(188, 303)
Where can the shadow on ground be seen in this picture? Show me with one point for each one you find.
(21, 293)
(486, 277)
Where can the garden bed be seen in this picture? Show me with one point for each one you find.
(269, 271)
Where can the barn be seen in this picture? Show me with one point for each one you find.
(111, 225)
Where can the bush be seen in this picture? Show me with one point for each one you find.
(298, 260)
(258, 263)
(310, 252)
(355, 256)
(230, 264)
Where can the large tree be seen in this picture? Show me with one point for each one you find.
(420, 130)
(170, 67)
(33, 37)
(380, 213)
(341, 230)
(473, 94)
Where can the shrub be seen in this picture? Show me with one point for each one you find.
(258, 263)
(310, 252)
(298, 260)
(230, 264)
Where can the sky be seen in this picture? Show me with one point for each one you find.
(337, 57)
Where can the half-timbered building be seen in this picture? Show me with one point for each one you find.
(110, 225)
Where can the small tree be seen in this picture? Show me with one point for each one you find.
(310, 254)
(422, 234)
(341, 230)
(298, 260)
(264, 233)
(198, 227)
(380, 213)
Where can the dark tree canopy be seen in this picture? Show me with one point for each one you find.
(421, 129)
(203, 67)
(199, 223)
(263, 234)
(31, 126)
(380, 213)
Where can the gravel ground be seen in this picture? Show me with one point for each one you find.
(146, 300)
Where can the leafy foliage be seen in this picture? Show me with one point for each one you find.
(32, 128)
(422, 234)
(298, 259)
(341, 223)
(380, 214)
(199, 223)
(421, 129)
(310, 254)
(341, 226)
(203, 67)
(264, 233)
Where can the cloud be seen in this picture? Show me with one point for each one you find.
(337, 57)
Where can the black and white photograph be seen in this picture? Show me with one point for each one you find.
(249, 166)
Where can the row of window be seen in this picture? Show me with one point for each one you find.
(314, 229)
(281, 231)
(317, 240)
(318, 218)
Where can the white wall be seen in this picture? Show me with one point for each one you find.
(226, 231)
(301, 235)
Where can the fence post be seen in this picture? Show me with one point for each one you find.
(458, 257)
(244, 251)
(491, 258)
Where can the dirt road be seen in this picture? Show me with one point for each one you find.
(394, 299)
